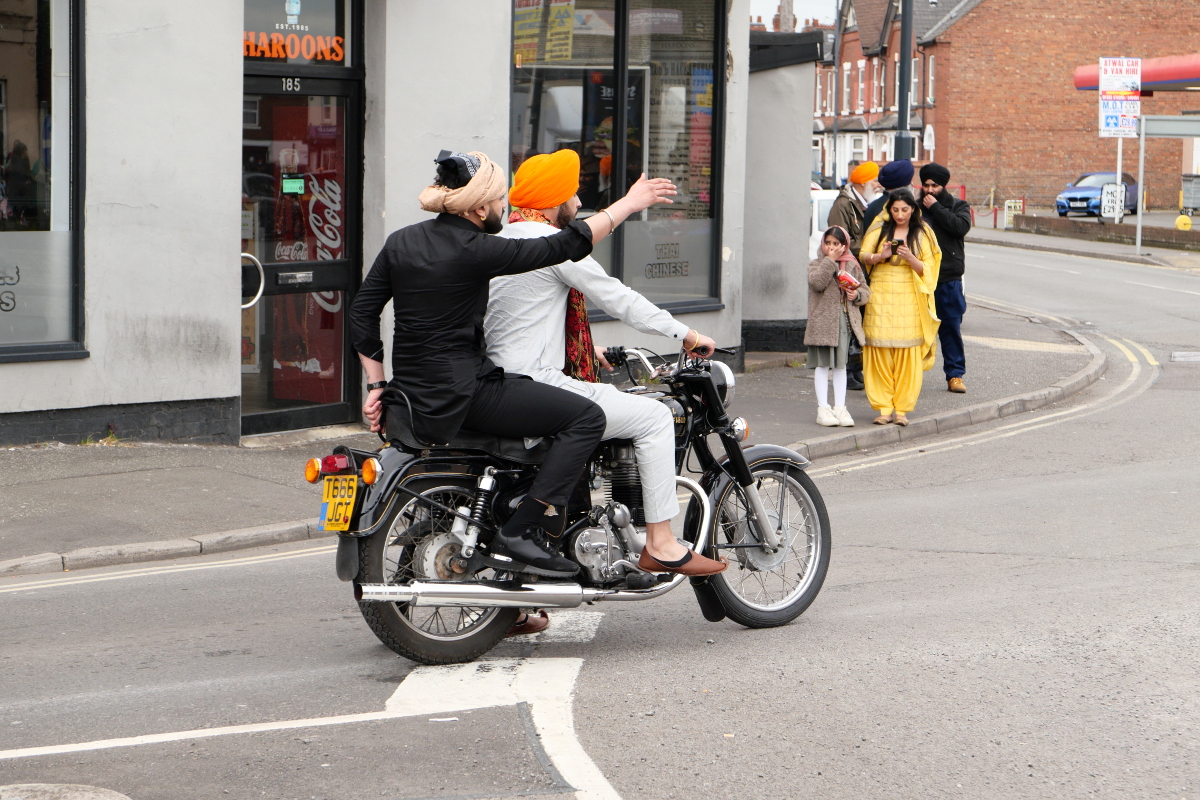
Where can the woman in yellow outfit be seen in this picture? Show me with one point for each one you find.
(901, 255)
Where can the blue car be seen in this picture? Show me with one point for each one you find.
(1083, 196)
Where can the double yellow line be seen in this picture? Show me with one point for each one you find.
(1129, 353)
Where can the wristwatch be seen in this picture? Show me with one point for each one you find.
(377, 385)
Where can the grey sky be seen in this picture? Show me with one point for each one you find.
(824, 10)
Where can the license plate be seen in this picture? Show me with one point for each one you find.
(337, 502)
(1078, 204)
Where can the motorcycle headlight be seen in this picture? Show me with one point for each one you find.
(726, 384)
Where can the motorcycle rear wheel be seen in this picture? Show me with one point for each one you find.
(757, 589)
(409, 547)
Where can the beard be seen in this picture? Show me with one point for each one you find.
(494, 223)
(564, 216)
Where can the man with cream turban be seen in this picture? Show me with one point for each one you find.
(436, 274)
(848, 209)
(536, 325)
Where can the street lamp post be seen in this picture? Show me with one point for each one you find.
(904, 141)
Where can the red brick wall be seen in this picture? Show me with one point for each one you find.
(1009, 114)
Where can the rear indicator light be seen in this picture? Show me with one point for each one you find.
(312, 470)
(371, 471)
(336, 463)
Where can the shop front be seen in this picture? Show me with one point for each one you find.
(302, 118)
(183, 224)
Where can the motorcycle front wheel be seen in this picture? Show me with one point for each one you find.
(415, 545)
(761, 589)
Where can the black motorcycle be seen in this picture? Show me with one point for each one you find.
(414, 522)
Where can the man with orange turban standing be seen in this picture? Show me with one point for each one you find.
(536, 325)
(850, 206)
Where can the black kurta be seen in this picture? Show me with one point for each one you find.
(436, 274)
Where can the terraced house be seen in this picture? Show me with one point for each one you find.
(992, 93)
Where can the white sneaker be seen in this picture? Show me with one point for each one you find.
(825, 417)
(843, 417)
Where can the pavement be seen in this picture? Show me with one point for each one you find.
(983, 233)
(69, 507)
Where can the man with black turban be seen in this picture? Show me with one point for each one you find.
(950, 219)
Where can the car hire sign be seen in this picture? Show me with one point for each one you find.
(1120, 97)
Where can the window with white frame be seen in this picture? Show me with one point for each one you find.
(830, 88)
(882, 84)
(846, 88)
(251, 109)
(914, 96)
(816, 155)
(858, 148)
(929, 80)
(896, 82)
(862, 84)
(875, 83)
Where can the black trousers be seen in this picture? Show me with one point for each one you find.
(516, 407)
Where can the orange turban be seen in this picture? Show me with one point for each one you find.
(865, 172)
(546, 181)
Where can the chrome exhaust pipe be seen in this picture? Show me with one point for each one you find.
(491, 594)
(504, 594)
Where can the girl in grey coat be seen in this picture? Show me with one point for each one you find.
(834, 315)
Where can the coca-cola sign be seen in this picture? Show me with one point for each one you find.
(325, 220)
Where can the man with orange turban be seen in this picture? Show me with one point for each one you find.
(536, 325)
(850, 206)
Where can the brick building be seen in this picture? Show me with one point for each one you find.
(993, 95)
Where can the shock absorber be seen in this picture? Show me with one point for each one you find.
(468, 533)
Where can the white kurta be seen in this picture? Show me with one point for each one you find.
(525, 329)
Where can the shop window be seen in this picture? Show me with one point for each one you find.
(566, 81)
(296, 32)
(39, 286)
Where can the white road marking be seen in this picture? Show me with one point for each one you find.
(546, 684)
(570, 625)
(1052, 269)
(74, 580)
(1163, 288)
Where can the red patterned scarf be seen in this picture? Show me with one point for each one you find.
(581, 354)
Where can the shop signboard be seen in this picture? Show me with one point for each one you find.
(296, 32)
(559, 29)
(1120, 97)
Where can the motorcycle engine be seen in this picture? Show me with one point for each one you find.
(596, 550)
(621, 474)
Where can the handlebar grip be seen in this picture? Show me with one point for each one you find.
(615, 356)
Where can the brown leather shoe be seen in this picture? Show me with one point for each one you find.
(691, 564)
(534, 623)
(956, 385)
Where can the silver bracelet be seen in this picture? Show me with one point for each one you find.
(611, 221)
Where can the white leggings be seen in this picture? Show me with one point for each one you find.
(821, 374)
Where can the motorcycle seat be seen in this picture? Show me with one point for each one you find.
(399, 429)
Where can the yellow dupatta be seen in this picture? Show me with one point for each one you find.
(930, 254)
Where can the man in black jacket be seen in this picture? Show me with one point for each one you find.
(950, 219)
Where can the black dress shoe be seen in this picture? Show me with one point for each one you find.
(854, 380)
(528, 552)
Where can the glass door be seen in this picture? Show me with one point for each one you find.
(301, 196)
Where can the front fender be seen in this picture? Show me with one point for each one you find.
(715, 479)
